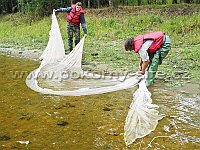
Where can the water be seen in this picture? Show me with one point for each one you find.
(90, 122)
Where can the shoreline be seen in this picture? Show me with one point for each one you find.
(22, 53)
(34, 55)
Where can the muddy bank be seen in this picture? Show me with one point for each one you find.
(35, 54)
(121, 11)
(22, 53)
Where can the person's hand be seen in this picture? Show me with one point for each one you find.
(140, 68)
(141, 72)
(54, 10)
(139, 75)
(85, 35)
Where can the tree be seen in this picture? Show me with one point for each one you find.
(110, 3)
(174, 2)
(139, 2)
(1, 7)
(98, 4)
(164, 2)
(187, 1)
(88, 3)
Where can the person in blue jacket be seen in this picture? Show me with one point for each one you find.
(74, 18)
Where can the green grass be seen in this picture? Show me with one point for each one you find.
(109, 28)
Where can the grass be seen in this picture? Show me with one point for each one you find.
(107, 30)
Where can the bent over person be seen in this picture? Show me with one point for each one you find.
(74, 18)
(152, 49)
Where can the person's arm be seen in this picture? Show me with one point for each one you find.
(68, 9)
(144, 57)
(83, 24)
(144, 66)
(140, 65)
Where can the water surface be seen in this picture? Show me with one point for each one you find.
(90, 122)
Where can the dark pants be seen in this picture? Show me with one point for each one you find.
(71, 30)
(156, 59)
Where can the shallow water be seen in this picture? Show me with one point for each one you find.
(90, 122)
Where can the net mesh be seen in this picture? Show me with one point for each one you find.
(142, 117)
(62, 74)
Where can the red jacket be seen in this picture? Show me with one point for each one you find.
(157, 38)
(74, 16)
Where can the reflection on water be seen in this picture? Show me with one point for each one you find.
(75, 84)
(90, 122)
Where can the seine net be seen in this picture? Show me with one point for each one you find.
(62, 74)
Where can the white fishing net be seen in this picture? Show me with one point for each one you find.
(142, 117)
(62, 74)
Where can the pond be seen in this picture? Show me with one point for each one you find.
(90, 122)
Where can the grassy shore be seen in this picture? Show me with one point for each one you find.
(107, 30)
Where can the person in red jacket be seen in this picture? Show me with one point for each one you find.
(74, 18)
(152, 49)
